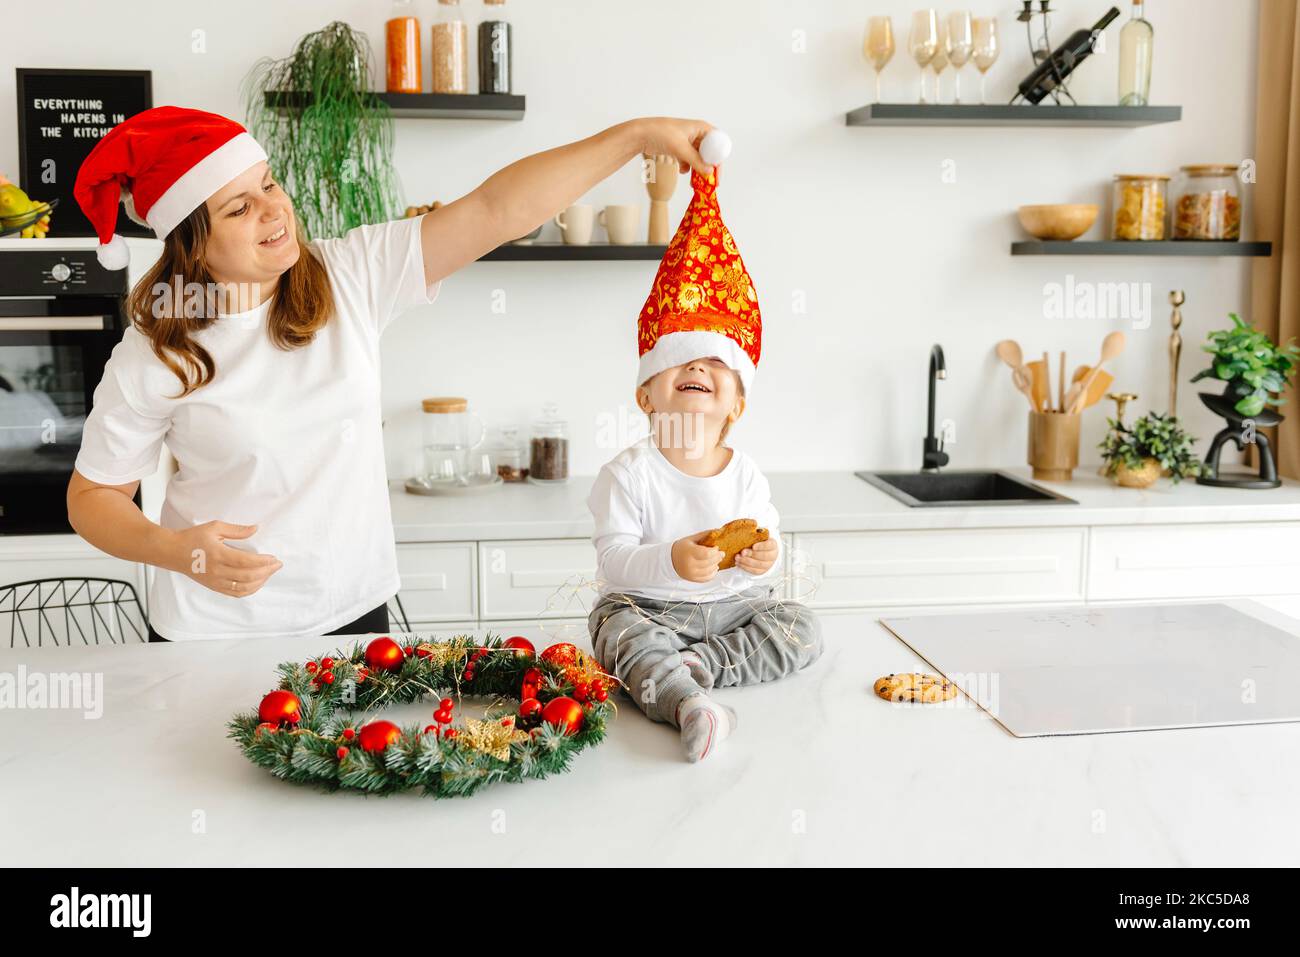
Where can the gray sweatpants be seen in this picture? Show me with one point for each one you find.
(751, 637)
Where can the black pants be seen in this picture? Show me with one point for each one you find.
(374, 620)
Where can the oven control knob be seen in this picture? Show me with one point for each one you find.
(60, 272)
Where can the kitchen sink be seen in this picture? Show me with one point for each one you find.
(961, 488)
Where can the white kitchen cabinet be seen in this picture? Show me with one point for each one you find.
(543, 579)
(438, 582)
(543, 633)
(941, 566)
(1194, 561)
(32, 557)
(442, 630)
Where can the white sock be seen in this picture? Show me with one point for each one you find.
(704, 725)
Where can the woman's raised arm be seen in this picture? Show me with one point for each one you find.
(517, 199)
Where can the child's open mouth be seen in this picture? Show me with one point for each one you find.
(693, 387)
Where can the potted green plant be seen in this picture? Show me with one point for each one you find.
(1255, 371)
(328, 138)
(1137, 454)
(1254, 368)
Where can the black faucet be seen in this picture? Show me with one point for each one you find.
(934, 457)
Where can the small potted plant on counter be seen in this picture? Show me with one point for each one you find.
(1136, 455)
(1255, 371)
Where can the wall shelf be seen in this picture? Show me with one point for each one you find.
(1168, 247)
(543, 252)
(427, 106)
(1023, 115)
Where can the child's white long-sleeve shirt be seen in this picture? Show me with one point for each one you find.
(642, 503)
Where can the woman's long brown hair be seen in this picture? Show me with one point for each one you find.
(300, 307)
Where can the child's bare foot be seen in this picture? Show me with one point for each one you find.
(705, 724)
(699, 670)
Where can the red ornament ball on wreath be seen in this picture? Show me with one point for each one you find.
(565, 712)
(531, 684)
(563, 655)
(530, 712)
(521, 646)
(384, 654)
(378, 735)
(280, 707)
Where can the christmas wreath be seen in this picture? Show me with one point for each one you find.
(319, 725)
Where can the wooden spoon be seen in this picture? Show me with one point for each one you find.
(1008, 350)
(1100, 385)
(1111, 347)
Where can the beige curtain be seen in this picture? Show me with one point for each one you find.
(1275, 282)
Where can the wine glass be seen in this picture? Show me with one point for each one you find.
(923, 41)
(878, 45)
(958, 43)
(984, 31)
(940, 62)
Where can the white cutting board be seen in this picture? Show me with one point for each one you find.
(1128, 668)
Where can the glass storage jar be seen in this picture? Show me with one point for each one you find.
(509, 456)
(450, 49)
(451, 432)
(1138, 200)
(402, 47)
(1207, 203)
(549, 448)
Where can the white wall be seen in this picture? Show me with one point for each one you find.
(889, 257)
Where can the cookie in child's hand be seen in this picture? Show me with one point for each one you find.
(733, 538)
(913, 686)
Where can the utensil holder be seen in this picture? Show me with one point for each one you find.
(1053, 445)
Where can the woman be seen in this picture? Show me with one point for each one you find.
(256, 362)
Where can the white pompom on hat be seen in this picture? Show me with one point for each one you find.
(162, 164)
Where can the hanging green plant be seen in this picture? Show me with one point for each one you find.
(328, 139)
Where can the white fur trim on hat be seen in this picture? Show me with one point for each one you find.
(203, 179)
(678, 348)
(114, 254)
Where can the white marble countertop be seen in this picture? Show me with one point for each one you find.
(818, 772)
(840, 501)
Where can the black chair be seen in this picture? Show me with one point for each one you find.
(398, 615)
(71, 611)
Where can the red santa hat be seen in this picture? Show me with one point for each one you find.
(163, 164)
(702, 302)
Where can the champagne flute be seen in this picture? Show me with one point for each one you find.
(984, 31)
(878, 45)
(940, 62)
(923, 41)
(958, 43)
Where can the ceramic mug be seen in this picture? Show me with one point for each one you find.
(621, 223)
(576, 224)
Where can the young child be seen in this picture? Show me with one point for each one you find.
(669, 623)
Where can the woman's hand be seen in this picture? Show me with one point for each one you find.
(759, 558)
(668, 136)
(695, 562)
(203, 556)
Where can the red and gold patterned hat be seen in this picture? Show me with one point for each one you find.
(702, 302)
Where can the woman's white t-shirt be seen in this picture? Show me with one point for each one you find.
(287, 440)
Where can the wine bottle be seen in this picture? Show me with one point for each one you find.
(1135, 42)
(1048, 75)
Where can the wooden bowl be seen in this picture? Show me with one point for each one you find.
(1058, 220)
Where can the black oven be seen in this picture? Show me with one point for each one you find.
(61, 313)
